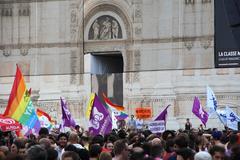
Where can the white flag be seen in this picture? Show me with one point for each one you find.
(211, 101)
(222, 116)
(232, 119)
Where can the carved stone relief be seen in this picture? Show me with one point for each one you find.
(138, 30)
(7, 52)
(24, 10)
(104, 28)
(73, 67)
(137, 59)
(206, 1)
(137, 63)
(206, 43)
(76, 11)
(189, 1)
(189, 44)
(7, 12)
(24, 51)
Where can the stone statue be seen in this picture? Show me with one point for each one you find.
(114, 29)
(106, 30)
(95, 27)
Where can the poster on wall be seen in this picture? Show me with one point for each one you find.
(227, 33)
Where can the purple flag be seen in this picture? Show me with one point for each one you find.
(199, 112)
(67, 119)
(100, 119)
(163, 115)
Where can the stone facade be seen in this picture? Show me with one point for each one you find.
(167, 49)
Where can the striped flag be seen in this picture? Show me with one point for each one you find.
(18, 99)
(44, 118)
(20, 106)
(111, 105)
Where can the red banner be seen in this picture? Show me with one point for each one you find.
(143, 112)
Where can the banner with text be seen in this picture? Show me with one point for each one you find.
(156, 126)
(143, 112)
(227, 33)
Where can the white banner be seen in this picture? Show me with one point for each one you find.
(156, 126)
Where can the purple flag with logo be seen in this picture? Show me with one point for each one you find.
(67, 119)
(162, 115)
(100, 119)
(199, 112)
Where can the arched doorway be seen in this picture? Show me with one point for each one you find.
(107, 75)
(107, 34)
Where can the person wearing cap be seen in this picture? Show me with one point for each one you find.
(216, 136)
(202, 155)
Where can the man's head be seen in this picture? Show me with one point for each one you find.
(157, 151)
(36, 152)
(95, 150)
(62, 139)
(185, 154)
(73, 138)
(121, 148)
(70, 155)
(187, 119)
(217, 135)
(132, 116)
(43, 132)
(137, 153)
(181, 141)
(217, 152)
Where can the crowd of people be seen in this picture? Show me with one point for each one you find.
(123, 144)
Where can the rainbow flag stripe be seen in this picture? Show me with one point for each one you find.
(44, 118)
(111, 105)
(18, 99)
(122, 116)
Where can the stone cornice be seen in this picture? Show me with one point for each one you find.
(136, 41)
(26, 1)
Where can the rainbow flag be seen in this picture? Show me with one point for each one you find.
(18, 99)
(111, 105)
(45, 119)
(121, 116)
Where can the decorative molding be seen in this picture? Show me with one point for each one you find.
(7, 52)
(26, 1)
(73, 44)
(189, 44)
(187, 2)
(138, 30)
(74, 60)
(24, 10)
(206, 43)
(137, 59)
(7, 12)
(75, 25)
(206, 1)
(24, 51)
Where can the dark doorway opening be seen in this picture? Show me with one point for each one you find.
(106, 63)
(107, 76)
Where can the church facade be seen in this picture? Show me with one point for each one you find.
(140, 53)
